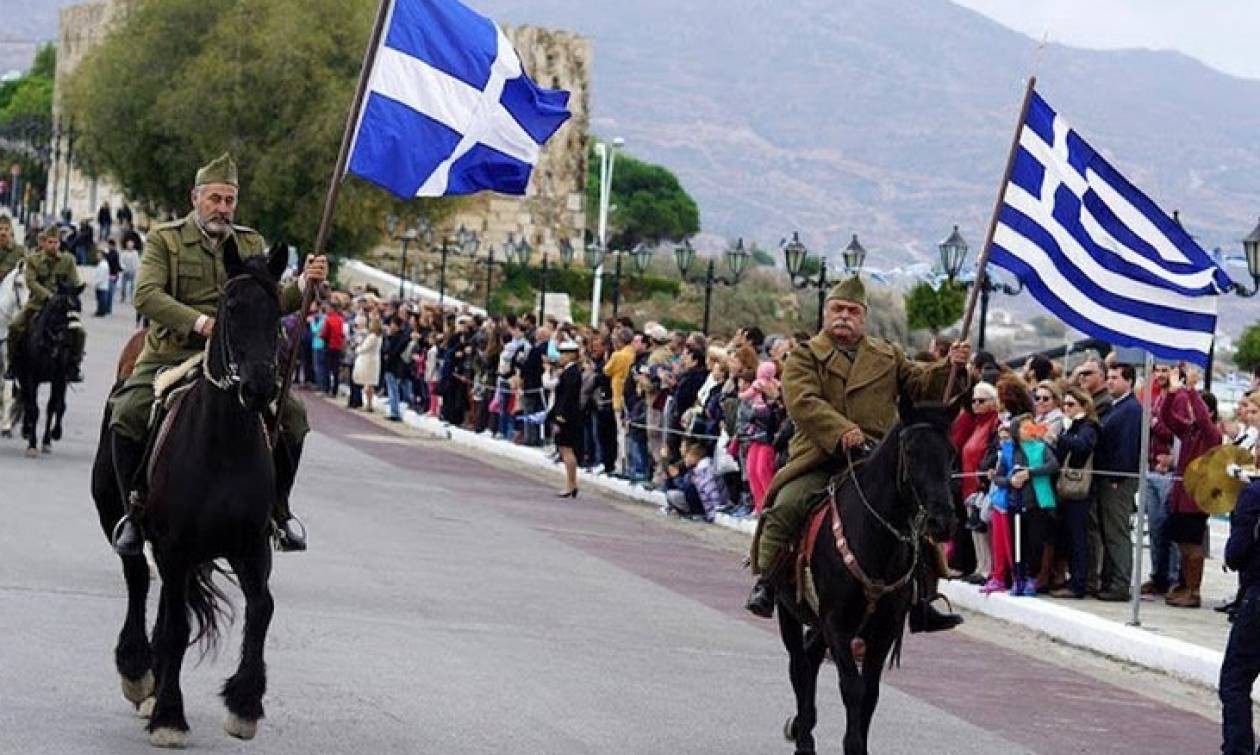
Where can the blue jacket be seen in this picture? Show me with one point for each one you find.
(1241, 551)
(1119, 442)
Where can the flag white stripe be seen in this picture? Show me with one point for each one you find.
(1071, 297)
(1118, 283)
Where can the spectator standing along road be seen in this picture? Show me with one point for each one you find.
(1118, 452)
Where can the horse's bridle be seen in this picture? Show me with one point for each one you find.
(231, 377)
(875, 590)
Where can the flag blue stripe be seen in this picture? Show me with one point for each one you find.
(1042, 293)
(486, 168)
(1041, 118)
(386, 153)
(447, 35)
(1027, 173)
(1031, 230)
(539, 111)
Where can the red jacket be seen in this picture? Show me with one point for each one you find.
(1187, 417)
(972, 435)
(334, 331)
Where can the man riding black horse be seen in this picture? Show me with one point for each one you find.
(46, 270)
(178, 289)
(842, 390)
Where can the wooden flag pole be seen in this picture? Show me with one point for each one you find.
(983, 261)
(330, 199)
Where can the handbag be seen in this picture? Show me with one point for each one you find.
(1074, 484)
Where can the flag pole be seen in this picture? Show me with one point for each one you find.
(1144, 463)
(983, 261)
(330, 199)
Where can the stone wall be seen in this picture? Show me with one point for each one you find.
(81, 27)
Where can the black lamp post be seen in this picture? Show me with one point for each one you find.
(953, 253)
(1251, 251)
(795, 254)
(490, 263)
(854, 256)
(406, 237)
(463, 244)
(641, 256)
(737, 259)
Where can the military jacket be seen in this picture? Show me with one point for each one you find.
(44, 273)
(9, 257)
(181, 277)
(827, 395)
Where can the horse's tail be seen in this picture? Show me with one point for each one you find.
(209, 606)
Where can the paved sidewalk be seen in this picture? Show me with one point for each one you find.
(1186, 643)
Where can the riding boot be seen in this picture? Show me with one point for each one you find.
(761, 598)
(923, 616)
(128, 537)
(290, 534)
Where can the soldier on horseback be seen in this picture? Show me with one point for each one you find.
(178, 288)
(46, 269)
(842, 391)
(10, 252)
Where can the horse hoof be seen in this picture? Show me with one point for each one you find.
(239, 727)
(789, 729)
(169, 738)
(144, 709)
(136, 690)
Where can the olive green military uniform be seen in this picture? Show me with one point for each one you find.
(44, 273)
(10, 256)
(828, 392)
(181, 277)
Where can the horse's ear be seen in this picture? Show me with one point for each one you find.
(231, 256)
(278, 259)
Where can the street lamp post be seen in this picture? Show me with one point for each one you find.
(406, 237)
(642, 257)
(464, 244)
(953, 252)
(1251, 251)
(736, 261)
(795, 254)
(607, 161)
(490, 263)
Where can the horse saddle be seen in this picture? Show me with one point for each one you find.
(169, 388)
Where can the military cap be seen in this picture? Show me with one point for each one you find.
(6, 220)
(849, 290)
(49, 233)
(222, 170)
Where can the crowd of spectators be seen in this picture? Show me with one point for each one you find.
(701, 419)
(1050, 467)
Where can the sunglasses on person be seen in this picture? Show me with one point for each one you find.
(975, 401)
(1070, 402)
(1043, 397)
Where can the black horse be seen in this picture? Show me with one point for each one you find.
(881, 512)
(211, 490)
(46, 355)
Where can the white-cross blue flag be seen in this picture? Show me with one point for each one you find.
(1097, 252)
(448, 108)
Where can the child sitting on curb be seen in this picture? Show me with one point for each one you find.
(694, 492)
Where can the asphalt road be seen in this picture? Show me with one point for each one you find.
(451, 605)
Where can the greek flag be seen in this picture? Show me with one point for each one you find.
(1097, 252)
(448, 108)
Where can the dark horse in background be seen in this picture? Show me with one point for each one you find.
(46, 355)
(210, 493)
(884, 507)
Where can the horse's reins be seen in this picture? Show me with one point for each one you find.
(875, 590)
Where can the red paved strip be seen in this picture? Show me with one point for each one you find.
(1044, 707)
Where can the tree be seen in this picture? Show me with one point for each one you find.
(1247, 357)
(177, 82)
(650, 204)
(934, 309)
(26, 118)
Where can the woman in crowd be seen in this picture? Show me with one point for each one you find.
(367, 362)
(1023, 490)
(972, 433)
(566, 415)
(1185, 413)
(1047, 397)
(1075, 450)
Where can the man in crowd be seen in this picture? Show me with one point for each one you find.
(180, 282)
(532, 382)
(1116, 461)
(841, 391)
(45, 271)
(1157, 487)
(1092, 376)
(333, 332)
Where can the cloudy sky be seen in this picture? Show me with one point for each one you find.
(1220, 33)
